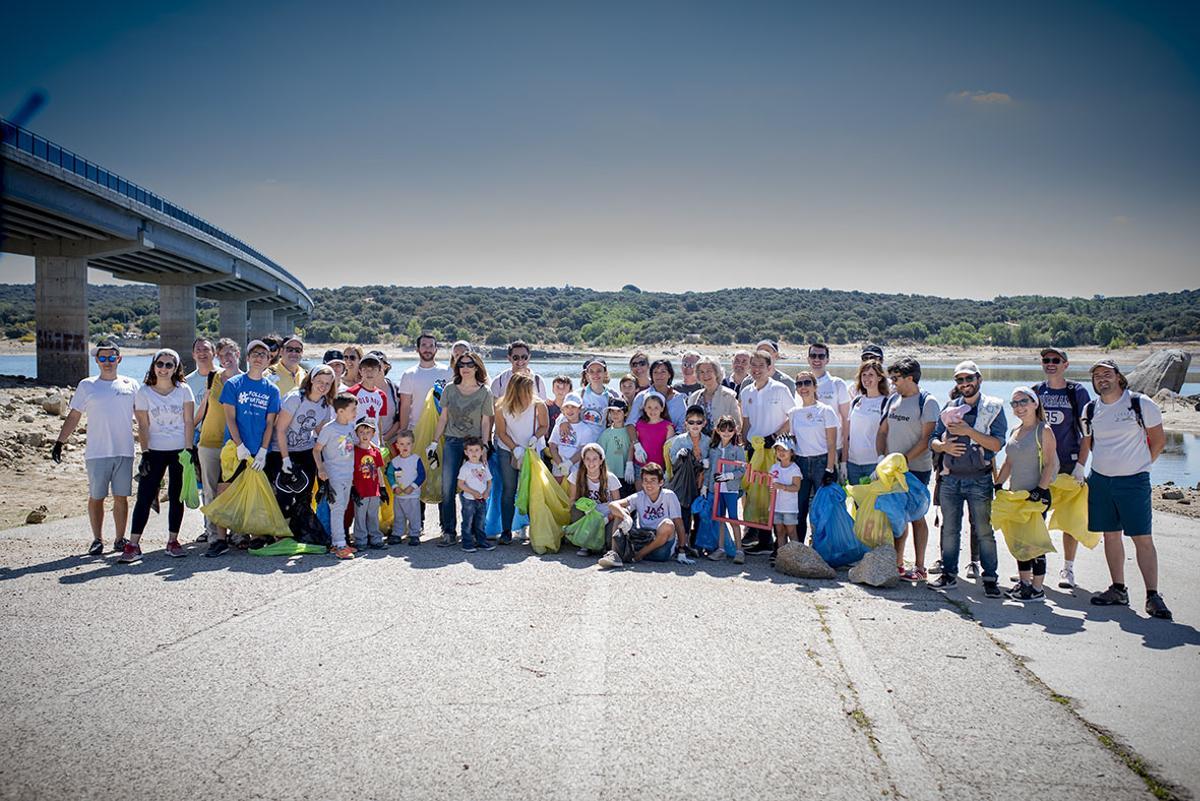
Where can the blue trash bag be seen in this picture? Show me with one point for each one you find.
(323, 514)
(895, 506)
(917, 505)
(833, 528)
(708, 532)
(493, 522)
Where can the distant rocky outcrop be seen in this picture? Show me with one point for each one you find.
(1163, 369)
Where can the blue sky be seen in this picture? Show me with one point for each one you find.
(963, 149)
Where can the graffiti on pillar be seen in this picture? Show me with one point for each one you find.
(61, 342)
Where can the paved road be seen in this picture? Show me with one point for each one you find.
(424, 673)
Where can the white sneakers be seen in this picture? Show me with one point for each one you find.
(610, 560)
(1066, 578)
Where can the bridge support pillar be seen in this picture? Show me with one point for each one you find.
(61, 311)
(232, 322)
(177, 320)
(262, 322)
(283, 323)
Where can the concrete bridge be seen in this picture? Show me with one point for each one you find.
(70, 214)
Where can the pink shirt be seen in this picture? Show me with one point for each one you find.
(652, 436)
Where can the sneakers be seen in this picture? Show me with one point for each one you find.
(991, 589)
(610, 560)
(488, 545)
(378, 545)
(119, 545)
(936, 569)
(217, 547)
(762, 546)
(945, 581)
(1157, 607)
(1066, 578)
(583, 552)
(414, 540)
(469, 549)
(446, 541)
(717, 555)
(739, 557)
(683, 559)
(1113, 596)
(974, 570)
(345, 552)
(392, 539)
(175, 549)
(1026, 593)
(96, 548)
(130, 553)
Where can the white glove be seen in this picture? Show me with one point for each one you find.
(260, 459)
(431, 453)
(723, 477)
(704, 463)
(287, 465)
(1079, 474)
(639, 453)
(685, 450)
(243, 452)
(562, 469)
(519, 453)
(625, 524)
(682, 558)
(629, 472)
(842, 473)
(532, 444)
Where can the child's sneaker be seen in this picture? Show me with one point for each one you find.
(414, 540)
(1066, 578)
(739, 557)
(377, 545)
(175, 550)
(131, 553)
(345, 552)
(583, 552)
(610, 560)
(717, 555)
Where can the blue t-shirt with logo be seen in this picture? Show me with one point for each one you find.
(253, 401)
(1060, 416)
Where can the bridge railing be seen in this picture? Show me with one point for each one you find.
(45, 150)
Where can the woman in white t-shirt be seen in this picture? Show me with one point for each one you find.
(814, 428)
(164, 407)
(522, 421)
(592, 479)
(866, 412)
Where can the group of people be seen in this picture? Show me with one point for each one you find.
(633, 451)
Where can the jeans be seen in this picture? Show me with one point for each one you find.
(812, 470)
(508, 490)
(855, 472)
(977, 493)
(473, 514)
(452, 459)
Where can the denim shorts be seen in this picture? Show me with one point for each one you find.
(787, 518)
(110, 471)
(854, 472)
(662, 553)
(1119, 503)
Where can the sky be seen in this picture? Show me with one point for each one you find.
(948, 148)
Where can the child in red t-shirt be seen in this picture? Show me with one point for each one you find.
(368, 464)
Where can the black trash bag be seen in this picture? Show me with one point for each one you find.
(684, 480)
(305, 526)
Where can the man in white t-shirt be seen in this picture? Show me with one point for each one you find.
(203, 353)
(107, 400)
(416, 381)
(1123, 432)
(765, 401)
(518, 360)
(834, 393)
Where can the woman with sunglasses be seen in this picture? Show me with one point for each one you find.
(639, 368)
(1030, 463)
(352, 355)
(164, 406)
(814, 427)
(467, 411)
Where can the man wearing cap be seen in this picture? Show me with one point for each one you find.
(416, 381)
(518, 360)
(1123, 432)
(372, 400)
(250, 402)
(287, 374)
(1063, 402)
(107, 400)
(872, 353)
(771, 347)
(970, 447)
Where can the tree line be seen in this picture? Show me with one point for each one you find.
(580, 317)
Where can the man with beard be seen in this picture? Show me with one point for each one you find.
(416, 381)
(970, 448)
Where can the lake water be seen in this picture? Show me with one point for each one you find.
(1179, 462)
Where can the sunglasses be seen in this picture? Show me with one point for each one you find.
(870, 357)
(695, 422)
(1052, 360)
(258, 353)
(1020, 402)
(107, 358)
(820, 357)
(966, 379)
(640, 363)
(294, 350)
(461, 365)
(165, 365)
(806, 382)
(350, 357)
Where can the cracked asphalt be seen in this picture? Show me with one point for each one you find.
(428, 673)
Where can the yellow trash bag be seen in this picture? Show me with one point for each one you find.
(229, 461)
(1021, 522)
(890, 473)
(758, 496)
(1068, 510)
(248, 506)
(871, 525)
(431, 489)
(549, 508)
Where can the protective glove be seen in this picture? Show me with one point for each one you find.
(682, 452)
(260, 459)
(724, 477)
(243, 452)
(1039, 495)
(639, 453)
(828, 477)
(703, 490)
(562, 469)
(682, 558)
(843, 473)
(629, 475)
(1079, 474)
(287, 465)
(431, 454)
(704, 463)
(519, 452)
(625, 525)
(532, 444)
(56, 453)
(144, 466)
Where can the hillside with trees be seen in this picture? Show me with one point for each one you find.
(589, 318)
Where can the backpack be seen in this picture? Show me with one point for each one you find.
(1073, 397)
(1135, 403)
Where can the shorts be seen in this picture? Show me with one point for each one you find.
(787, 518)
(662, 553)
(922, 475)
(1119, 503)
(110, 471)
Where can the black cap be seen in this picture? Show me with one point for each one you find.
(370, 357)
(872, 350)
(380, 355)
(333, 356)
(592, 360)
(618, 403)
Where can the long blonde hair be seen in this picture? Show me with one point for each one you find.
(518, 394)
